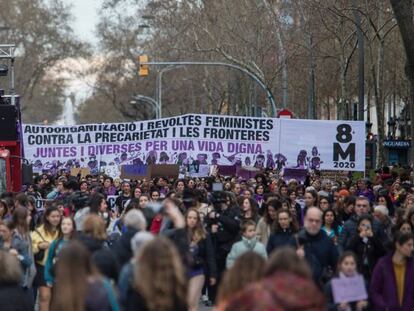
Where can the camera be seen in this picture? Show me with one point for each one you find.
(218, 197)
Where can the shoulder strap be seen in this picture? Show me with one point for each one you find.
(41, 236)
(111, 296)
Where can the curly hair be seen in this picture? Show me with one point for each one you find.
(160, 277)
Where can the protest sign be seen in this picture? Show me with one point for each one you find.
(334, 175)
(164, 170)
(349, 289)
(247, 172)
(258, 143)
(83, 171)
(111, 201)
(135, 171)
(295, 173)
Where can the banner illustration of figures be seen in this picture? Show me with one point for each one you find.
(193, 140)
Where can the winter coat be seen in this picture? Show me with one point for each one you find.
(243, 246)
(320, 252)
(100, 296)
(349, 230)
(368, 251)
(125, 282)
(280, 239)
(105, 260)
(204, 257)
(122, 247)
(383, 287)
(14, 298)
(228, 232)
(280, 292)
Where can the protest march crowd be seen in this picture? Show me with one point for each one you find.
(171, 244)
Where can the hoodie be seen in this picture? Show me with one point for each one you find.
(243, 246)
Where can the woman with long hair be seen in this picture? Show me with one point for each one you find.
(385, 200)
(247, 269)
(42, 237)
(79, 286)
(331, 225)
(248, 208)
(392, 282)
(366, 246)
(99, 206)
(259, 195)
(17, 243)
(67, 232)
(202, 262)
(265, 224)
(311, 200)
(285, 227)
(4, 209)
(160, 281)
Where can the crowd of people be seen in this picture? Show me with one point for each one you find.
(166, 244)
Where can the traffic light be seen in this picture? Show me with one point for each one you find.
(143, 67)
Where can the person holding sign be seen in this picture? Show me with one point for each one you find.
(340, 296)
(392, 282)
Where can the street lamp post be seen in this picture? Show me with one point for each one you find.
(159, 85)
(170, 65)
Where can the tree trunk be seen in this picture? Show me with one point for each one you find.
(403, 10)
(342, 109)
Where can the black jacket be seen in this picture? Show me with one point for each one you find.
(205, 257)
(14, 298)
(320, 252)
(367, 253)
(135, 302)
(122, 247)
(228, 232)
(102, 256)
(279, 239)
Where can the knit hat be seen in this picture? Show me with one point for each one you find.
(343, 193)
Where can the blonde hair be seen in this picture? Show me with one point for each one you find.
(198, 233)
(95, 226)
(159, 276)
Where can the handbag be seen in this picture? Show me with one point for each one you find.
(40, 255)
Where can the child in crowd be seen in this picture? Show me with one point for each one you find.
(347, 267)
(249, 242)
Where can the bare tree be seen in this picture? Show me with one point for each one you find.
(403, 10)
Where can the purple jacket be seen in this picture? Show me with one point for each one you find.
(383, 288)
